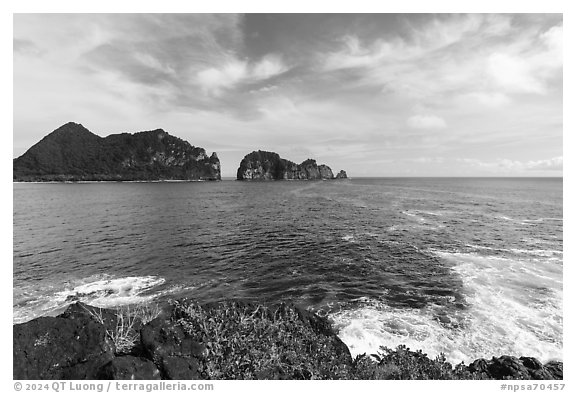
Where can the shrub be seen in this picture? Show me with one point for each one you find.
(254, 342)
(125, 336)
(401, 363)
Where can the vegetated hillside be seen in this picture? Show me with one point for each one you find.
(73, 153)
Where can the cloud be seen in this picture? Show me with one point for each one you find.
(515, 166)
(514, 73)
(529, 69)
(488, 99)
(26, 47)
(346, 86)
(269, 66)
(552, 164)
(426, 122)
(354, 55)
(233, 72)
(439, 33)
(488, 58)
(553, 38)
(212, 80)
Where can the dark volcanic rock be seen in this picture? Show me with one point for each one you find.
(510, 367)
(72, 153)
(84, 311)
(129, 367)
(479, 366)
(174, 353)
(264, 165)
(342, 175)
(555, 368)
(60, 348)
(507, 366)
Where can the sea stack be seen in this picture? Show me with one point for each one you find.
(73, 153)
(265, 165)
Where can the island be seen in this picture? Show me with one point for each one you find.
(73, 153)
(265, 165)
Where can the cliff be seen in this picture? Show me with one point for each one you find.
(226, 340)
(264, 165)
(73, 153)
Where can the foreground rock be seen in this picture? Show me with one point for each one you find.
(130, 368)
(60, 348)
(226, 340)
(72, 153)
(264, 165)
(176, 353)
(510, 367)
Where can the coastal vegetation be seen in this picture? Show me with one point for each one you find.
(226, 340)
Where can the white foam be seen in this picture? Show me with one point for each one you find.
(348, 238)
(99, 291)
(540, 253)
(113, 292)
(513, 307)
(413, 213)
(549, 253)
(544, 219)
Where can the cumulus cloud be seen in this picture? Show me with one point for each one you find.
(426, 122)
(552, 164)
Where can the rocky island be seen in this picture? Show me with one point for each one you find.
(73, 153)
(265, 165)
(226, 340)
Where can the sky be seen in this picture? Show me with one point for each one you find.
(373, 94)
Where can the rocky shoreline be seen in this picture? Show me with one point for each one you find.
(225, 340)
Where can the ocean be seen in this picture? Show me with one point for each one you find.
(467, 267)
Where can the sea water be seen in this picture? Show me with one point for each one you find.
(467, 267)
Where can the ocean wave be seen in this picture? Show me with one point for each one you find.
(99, 291)
(512, 307)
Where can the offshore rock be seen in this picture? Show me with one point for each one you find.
(72, 153)
(342, 175)
(265, 165)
